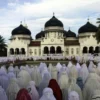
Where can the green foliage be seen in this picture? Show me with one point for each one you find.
(3, 50)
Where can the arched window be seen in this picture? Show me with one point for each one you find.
(97, 49)
(17, 51)
(91, 50)
(72, 51)
(23, 51)
(67, 51)
(77, 50)
(52, 50)
(58, 49)
(46, 50)
(12, 51)
(85, 50)
(35, 52)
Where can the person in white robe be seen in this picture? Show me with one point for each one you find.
(23, 79)
(69, 64)
(63, 80)
(3, 95)
(74, 87)
(33, 91)
(36, 76)
(54, 73)
(44, 83)
(12, 89)
(92, 83)
(16, 70)
(73, 95)
(73, 73)
(96, 95)
(47, 94)
(58, 66)
(4, 81)
(11, 75)
(83, 73)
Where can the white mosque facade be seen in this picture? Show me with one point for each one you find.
(54, 40)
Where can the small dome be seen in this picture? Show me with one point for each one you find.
(88, 27)
(40, 34)
(70, 34)
(54, 22)
(21, 30)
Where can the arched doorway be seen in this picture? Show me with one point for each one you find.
(96, 49)
(23, 51)
(12, 51)
(52, 50)
(17, 51)
(91, 50)
(85, 50)
(58, 49)
(46, 50)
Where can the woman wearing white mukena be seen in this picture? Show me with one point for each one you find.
(47, 94)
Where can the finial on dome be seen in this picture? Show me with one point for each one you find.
(41, 29)
(88, 19)
(69, 28)
(21, 22)
(53, 14)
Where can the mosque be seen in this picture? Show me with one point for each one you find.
(53, 40)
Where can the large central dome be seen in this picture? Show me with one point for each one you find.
(53, 22)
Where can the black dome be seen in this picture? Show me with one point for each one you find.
(40, 34)
(54, 22)
(88, 27)
(70, 34)
(21, 30)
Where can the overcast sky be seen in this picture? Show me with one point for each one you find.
(73, 14)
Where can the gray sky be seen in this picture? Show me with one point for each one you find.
(73, 14)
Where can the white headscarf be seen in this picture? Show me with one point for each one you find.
(3, 95)
(32, 91)
(84, 73)
(47, 94)
(44, 83)
(12, 89)
(63, 80)
(92, 83)
(4, 81)
(36, 76)
(58, 66)
(96, 95)
(23, 79)
(73, 95)
(69, 64)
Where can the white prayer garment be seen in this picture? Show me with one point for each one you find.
(54, 73)
(63, 80)
(73, 73)
(3, 95)
(73, 95)
(10, 69)
(12, 89)
(83, 73)
(23, 79)
(11, 75)
(96, 95)
(69, 64)
(4, 81)
(36, 76)
(44, 83)
(58, 66)
(74, 87)
(47, 94)
(92, 83)
(32, 91)
(78, 67)
(16, 70)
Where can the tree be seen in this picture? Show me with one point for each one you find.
(98, 31)
(3, 50)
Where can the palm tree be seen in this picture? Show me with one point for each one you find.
(98, 31)
(3, 50)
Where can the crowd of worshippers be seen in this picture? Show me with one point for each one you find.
(59, 82)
